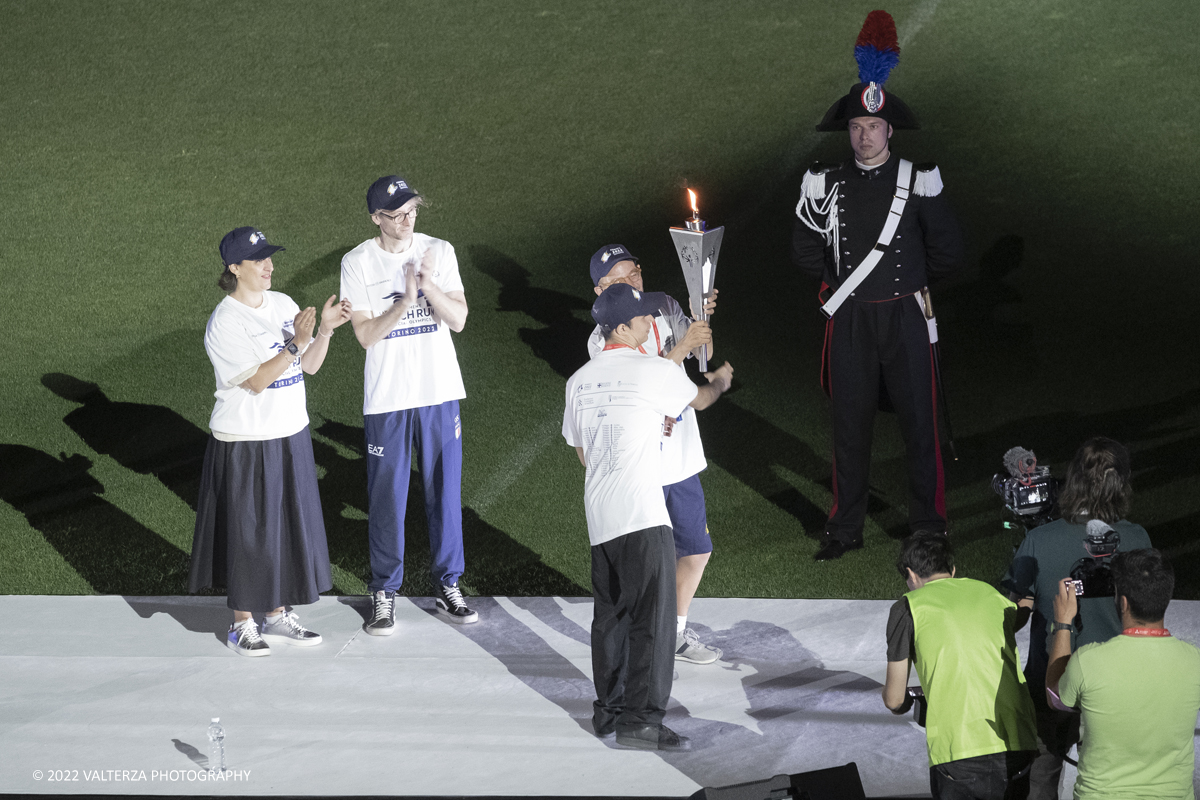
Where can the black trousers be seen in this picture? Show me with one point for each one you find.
(999, 776)
(633, 627)
(874, 348)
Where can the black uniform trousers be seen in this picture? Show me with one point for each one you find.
(874, 344)
(633, 627)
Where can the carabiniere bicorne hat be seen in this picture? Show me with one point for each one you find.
(877, 52)
(618, 304)
(246, 244)
(389, 193)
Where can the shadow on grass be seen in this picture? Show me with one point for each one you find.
(562, 340)
(315, 271)
(746, 445)
(496, 563)
(109, 549)
(146, 439)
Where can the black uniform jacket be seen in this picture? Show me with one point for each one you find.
(928, 242)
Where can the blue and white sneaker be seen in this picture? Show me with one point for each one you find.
(286, 629)
(243, 638)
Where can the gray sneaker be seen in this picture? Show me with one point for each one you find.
(286, 629)
(243, 639)
(688, 647)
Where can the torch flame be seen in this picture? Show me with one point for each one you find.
(692, 195)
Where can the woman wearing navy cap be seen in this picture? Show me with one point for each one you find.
(259, 530)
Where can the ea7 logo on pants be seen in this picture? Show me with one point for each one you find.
(375, 450)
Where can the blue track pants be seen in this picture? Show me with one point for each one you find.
(436, 434)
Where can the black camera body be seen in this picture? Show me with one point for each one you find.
(1093, 573)
(920, 704)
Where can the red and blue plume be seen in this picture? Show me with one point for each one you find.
(877, 50)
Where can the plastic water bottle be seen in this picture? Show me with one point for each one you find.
(216, 746)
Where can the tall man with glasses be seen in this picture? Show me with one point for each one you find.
(674, 336)
(407, 296)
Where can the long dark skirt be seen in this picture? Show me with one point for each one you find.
(259, 531)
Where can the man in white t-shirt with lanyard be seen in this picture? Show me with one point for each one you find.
(407, 297)
(615, 407)
(674, 336)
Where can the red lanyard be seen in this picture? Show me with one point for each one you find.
(619, 346)
(1145, 632)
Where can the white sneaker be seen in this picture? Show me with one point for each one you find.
(243, 639)
(286, 629)
(688, 647)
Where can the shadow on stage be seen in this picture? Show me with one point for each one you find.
(792, 700)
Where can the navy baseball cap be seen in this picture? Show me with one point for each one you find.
(246, 244)
(389, 193)
(618, 304)
(606, 257)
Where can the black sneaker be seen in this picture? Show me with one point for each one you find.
(652, 737)
(450, 603)
(243, 638)
(383, 614)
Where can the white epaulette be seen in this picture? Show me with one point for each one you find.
(928, 182)
(813, 185)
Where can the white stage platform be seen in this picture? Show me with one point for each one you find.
(113, 695)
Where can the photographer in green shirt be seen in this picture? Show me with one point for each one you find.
(1138, 692)
(960, 635)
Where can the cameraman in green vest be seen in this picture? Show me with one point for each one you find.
(961, 635)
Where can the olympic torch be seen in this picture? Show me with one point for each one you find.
(698, 249)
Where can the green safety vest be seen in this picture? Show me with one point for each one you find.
(966, 658)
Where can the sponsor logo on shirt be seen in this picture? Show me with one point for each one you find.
(604, 385)
(279, 384)
(413, 331)
(375, 450)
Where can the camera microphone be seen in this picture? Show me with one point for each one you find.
(1019, 462)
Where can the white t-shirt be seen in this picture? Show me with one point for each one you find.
(238, 340)
(415, 364)
(615, 406)
(683, 452)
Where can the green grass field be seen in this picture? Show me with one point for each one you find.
(136, 134)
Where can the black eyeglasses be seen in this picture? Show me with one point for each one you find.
(399, 216)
